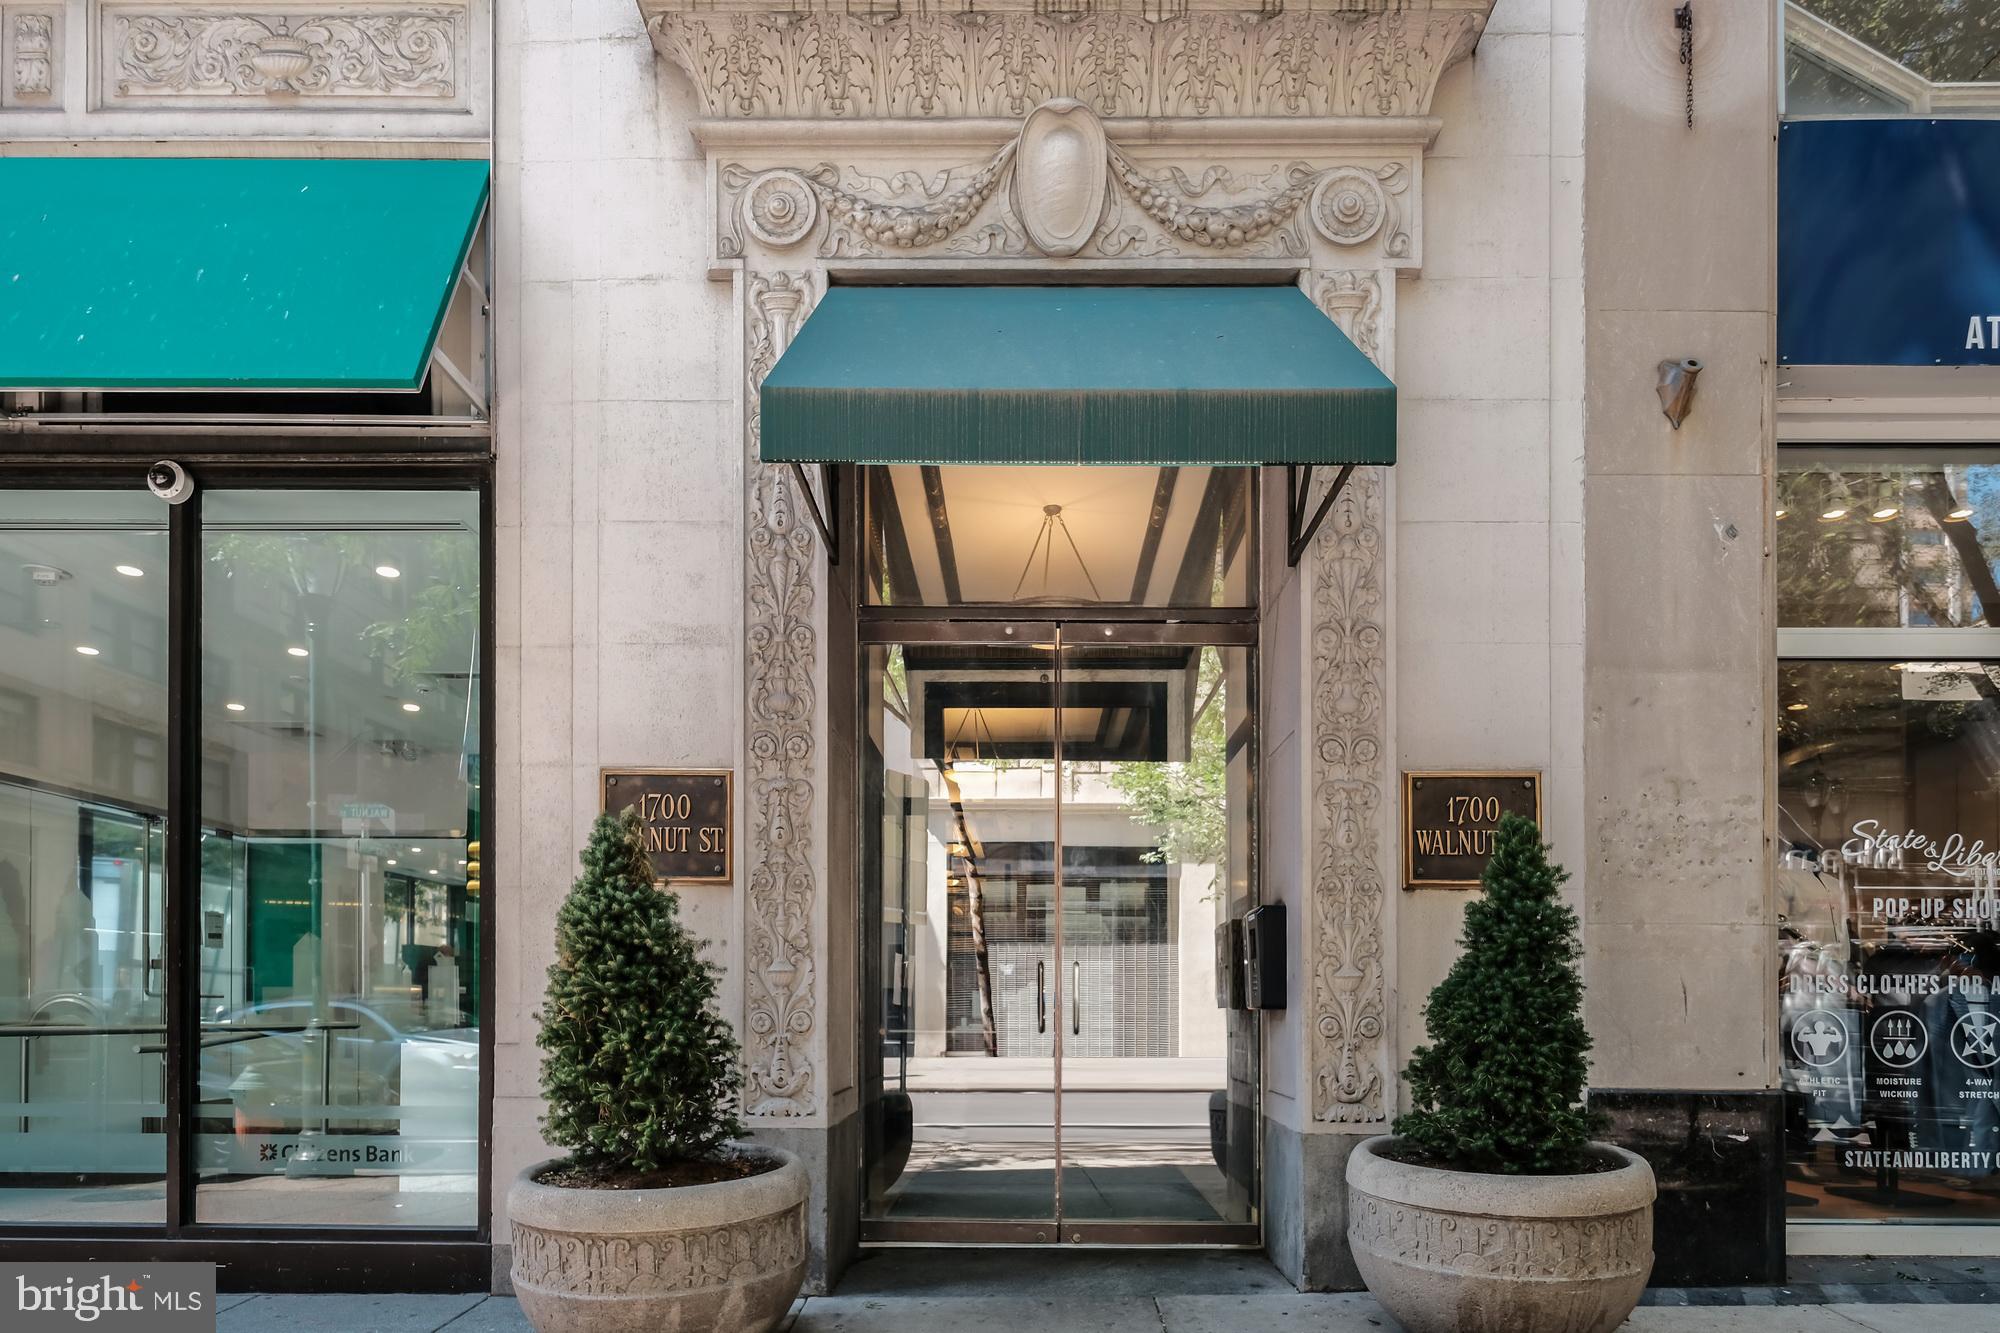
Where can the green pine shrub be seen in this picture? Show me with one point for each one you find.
(1500, 1086)
(639, 1069)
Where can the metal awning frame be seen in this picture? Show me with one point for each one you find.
(825, 516)
(1299, 528)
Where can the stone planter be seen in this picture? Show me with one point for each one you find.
(728, 1257)
(1451, 1250)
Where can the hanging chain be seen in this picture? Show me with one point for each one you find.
(1684, 20)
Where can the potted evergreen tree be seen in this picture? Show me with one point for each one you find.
(1490, 1207)
(659, 1218)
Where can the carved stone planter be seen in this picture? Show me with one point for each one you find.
(1451, 1250)
(728, 1257)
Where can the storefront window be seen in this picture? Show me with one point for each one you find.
(339, 1070)
(1889, 879)
(83, 709)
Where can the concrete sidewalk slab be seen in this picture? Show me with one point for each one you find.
(975, 1314)
(348, 1314)
(1335, 1313)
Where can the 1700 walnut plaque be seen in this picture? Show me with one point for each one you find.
(683, 819)
(1449, 820)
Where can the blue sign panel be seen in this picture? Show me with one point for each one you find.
(1889, 243)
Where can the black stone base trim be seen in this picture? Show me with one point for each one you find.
(287, 1265)
(1719, 1161)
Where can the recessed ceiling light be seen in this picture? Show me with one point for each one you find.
(233, 707)
(86, 650)
(130, 571)
(1884, 514)
(418, 850)
(1833, 515)
(296, 651)
(389, 571)
(413, 708)
(1959, 515)
(1795, 708)
(437, 872)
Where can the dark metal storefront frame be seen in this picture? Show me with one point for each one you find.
(1065, 627)
(282, 1257)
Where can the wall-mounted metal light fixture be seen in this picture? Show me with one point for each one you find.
(1676, 388)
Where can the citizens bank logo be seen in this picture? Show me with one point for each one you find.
(144, 1298)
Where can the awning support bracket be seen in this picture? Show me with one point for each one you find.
(829, 480)
(1300, 530)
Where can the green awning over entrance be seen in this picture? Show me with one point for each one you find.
(1194, 375)
(237, 273)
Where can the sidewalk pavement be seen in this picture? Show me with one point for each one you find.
(1009, 1291)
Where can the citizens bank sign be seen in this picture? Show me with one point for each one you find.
(1889, 242)
(144, 1298)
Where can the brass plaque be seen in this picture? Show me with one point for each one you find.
(684, 817)
(1449, 820)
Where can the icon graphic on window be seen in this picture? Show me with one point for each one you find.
(1975, 1040)
(1898, 1039)
(1819, 1038)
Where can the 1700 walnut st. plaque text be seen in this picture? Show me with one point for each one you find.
(1449, 820)
(684, 819)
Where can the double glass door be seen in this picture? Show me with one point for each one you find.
(1056, 837)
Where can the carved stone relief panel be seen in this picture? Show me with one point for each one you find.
(784, 800)
(31, 63)
(375, 53)
(923, 60)
(1062, 187)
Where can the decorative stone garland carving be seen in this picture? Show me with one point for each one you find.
(1060, 202)
(340, 55)
(780, 667)
(668, 1261)
(924, 59)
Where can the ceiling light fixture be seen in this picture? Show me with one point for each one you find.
(1833, 515)
(1795, 708)
(413, 708)
(130, 571)
(392, 860)
(1052, 522)
(388, 571)
(296, 651)
(86, 650)
(233, 706)
(1884, 514)
(1782, 512)
(1959, 515)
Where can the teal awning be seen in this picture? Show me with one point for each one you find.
(1194, 375)
(236, 273)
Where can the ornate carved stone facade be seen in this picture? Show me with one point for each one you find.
(782, 665)
(1118, 57)
(1320, 175)
(353, 54)
(659, 1263)
(30, 57)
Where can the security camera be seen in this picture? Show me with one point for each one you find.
(170, 481)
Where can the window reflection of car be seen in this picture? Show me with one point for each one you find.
(381, 1080)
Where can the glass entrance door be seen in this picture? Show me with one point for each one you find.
(1055, 822)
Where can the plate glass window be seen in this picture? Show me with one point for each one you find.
(339, 921)
(83, 794)
(1889, 787)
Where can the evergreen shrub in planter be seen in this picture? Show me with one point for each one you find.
(658, 1219)
(1491, 1208)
